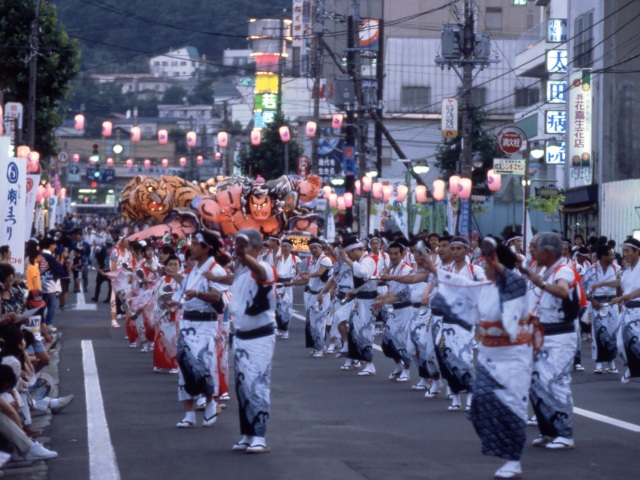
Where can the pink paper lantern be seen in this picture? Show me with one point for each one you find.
(341, 204)
(109, 162)
(39, 193)
(336, 121)
(129, 163)
(33, 162)
(421, 194)
(62, 194)
(48, 191)
(464, 188)
(402, 193)
(377, 190)
(494, 181)
(285, 134)
(23, 151)
(135, 134)
(311, 129)
(147, 163)
(223, 139)
(348, 199)
(333, 200)
(387, 193)
(454, 181)
(183, 162)
(217, 156)
(76, 158)
(165, 162)
(199, 159)
(107, 128)
(256, 137)
(78, 122)
(191, 139)
(163, 137)
(326, 191)
(367, 183)
(357, 185)
(438, 189)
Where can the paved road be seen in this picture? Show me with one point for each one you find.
(325, 424)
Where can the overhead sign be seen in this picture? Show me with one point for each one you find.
(510, 166)
(13, 119)
(510, 140)
(449, 118)
(580, 129)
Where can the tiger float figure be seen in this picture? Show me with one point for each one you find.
(145, 197)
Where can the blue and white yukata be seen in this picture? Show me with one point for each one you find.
(287, 269)
(628, 342)
(418, 335)
(315, 328)
(396, 331)
(361, 321)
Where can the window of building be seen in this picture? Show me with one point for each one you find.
(156, 63)
(583, 41)
(478, 96)
(164, 64)
(183, 63)
(525, 97)
(493, 18)
(414, 97)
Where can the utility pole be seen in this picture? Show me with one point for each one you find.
(283, 50)
(467, 85)
(318, 31)
(33, 77)
(225, 127)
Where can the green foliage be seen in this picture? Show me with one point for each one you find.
(58, 64)
(546, 205)
(267, 159)
(174, 96)
(119, 36)
(202, 94)
(449, 151)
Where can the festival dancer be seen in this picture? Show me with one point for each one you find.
(121, 266)
(202, 303)
(287, 268)
(252, 309)
(630, 316)
(605, 321)
(361, 321)
(165, 352)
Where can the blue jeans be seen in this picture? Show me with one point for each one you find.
(51, 299)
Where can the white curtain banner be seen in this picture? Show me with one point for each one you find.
(13, 192)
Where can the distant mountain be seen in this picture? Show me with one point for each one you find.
(120, 35)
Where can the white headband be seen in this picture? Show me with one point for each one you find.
(353, 247)
(315, 245)
(287, 242)
(631, 245)
(275, 238)
(465, 245)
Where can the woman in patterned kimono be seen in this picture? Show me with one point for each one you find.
(629, 344)
(165, 352)
(287, 268)
(605, 322)
(252, 308)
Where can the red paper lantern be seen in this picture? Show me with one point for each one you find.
(165, 162)
(367, 182)
(311, 129)
(147, 164)
(377, 190)
(326, 191)
(199, 159)
(109, 162)
(421, 194)
(494, 180)
(107, 128)
(357, 185)
(78, 122)
(341, 204)
(285, 135)
(33, 162)
(464, 188)
(454, 182)
(129, 163)
(76, 158)
(336, 121)
(348, 199)
(217, 156)
(163, 137)
(256, 137)
(333, 200)
(62, 194)
(387, 193)
(191, 139)
(135, 134)
(23, 151)
(438, 189)
(183, 161)
(223, 139)
(402, 193)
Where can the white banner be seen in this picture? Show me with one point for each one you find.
(13, 192)
(579, 132)
(32, 191)
(53, 209)
(331, 228)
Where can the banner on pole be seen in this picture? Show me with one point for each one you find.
(13, 192)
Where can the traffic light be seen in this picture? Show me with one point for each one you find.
(95, 156)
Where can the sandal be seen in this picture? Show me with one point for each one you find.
(454, 407)
(240, 447)
(258, 448)
(560, 443)
(184, 423)
(115, 324)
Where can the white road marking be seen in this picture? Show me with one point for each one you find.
(609, 420)
(102, 456)
(301, 317)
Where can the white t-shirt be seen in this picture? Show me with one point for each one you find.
(630, 279)
(287, 268)
(253, 303)
(316, 283)
(549, 307)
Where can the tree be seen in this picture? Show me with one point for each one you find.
(267, 159)
(174, 95)
(58, 64)
(449, 152)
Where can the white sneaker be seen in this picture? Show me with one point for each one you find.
(37, 452)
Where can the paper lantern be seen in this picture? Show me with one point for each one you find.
(48, 191)
(333, 200)
(147, 164)
(348, 199)
(464, 188)
(402, 193)
(377, 190)
(76, 158)
(367, 182)
(285, 135)
(326, 191)
(494, 181)
(199, 159)
(341, 204)
(357, 185)
(256, 137)
(165, 162)
(23, 151)
(454, 181)
(78, 122)
(336, 121)
(387, 193)
(129, 163)
(438, 189)
(191, 139)
(109, 162)
(163, 137)
(62, 194)
(40, 193)
(107, 128)
(311, 129)
(421, 194)
(183, 161)
(135, 134)
(217, 156)
(33, 162)
(223, 139)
